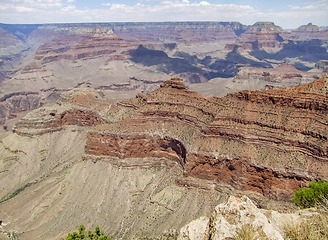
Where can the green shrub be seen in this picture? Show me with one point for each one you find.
(97, 235)
(314, 195)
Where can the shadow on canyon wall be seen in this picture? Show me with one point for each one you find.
(309, 51)
(186, 63)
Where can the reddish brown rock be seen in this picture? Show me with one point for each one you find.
(135, 146)
(243, 175)
(79, 118)
(270, 142)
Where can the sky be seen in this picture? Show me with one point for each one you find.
(288, 14)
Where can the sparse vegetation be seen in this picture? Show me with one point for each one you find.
(248, 232)
(314, 195)
(166, 236)
(97, 235)
(16, 192)
(313, 228)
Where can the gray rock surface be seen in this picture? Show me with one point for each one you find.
(237, 213)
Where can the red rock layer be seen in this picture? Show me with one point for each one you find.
(79, 118)
(243, 175)
(271, 141)
(134, 146)
(74, 47)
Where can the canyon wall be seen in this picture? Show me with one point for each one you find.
(270, 142)
(152, 163)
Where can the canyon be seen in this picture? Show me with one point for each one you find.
(41, 61)
(149, 164)
(93, 132)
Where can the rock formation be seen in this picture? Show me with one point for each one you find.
(271, 142)
(261, 35)
(308, 32)
(282, 76)
(126, 57)
(321, 66)
(185, 32)
(237, 213)
(156, 161)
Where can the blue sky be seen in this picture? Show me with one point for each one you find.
(287, 14)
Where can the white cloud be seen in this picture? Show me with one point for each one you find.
(24, 9)
(106, 4)
(319, 5)
(204, 3)
(69, 8)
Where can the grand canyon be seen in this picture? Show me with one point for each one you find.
(142, 127)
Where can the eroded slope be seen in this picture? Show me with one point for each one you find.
(154, 162)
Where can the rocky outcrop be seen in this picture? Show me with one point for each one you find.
(261, 35)
(282, 76)
(74, 46)
(135, 146)
(308, 32)
(13, 104)
(321, 66)
(270, 142)
(80, 107)
(239, 214)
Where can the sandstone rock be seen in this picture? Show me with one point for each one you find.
(196, 230)
(230, 217)
(174, 83)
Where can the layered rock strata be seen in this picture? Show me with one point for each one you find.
(308, 32)
(185, 32)
(270, 142)
(261, 35)
(282, 76)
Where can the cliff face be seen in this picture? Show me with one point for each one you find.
(126, 57)
(185, 32)
(271, 142)
(308, 32)
(160, 159)
(266, 40)
(282, 76)
(261, 35)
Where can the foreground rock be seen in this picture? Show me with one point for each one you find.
(234, 215)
